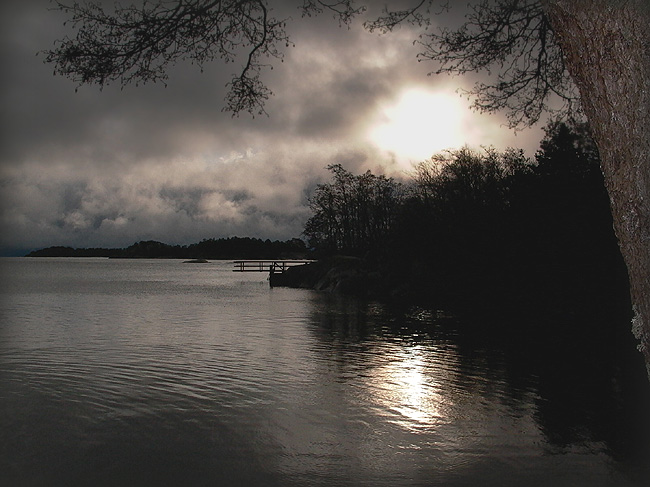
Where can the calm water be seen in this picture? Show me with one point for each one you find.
(117, 372)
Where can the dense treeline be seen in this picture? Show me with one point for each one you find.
(215, 249)
(352, 213)
(487, 228)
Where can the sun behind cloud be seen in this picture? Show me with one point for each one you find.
(419, 123)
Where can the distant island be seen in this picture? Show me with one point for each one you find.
(212, 249)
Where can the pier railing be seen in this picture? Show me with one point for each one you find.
(269, 266)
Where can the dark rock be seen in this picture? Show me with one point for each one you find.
(339, 274)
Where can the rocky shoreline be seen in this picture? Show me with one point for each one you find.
(337, 274)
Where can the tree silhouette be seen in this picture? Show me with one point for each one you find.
(481, 228)
(137, 44)
(352, 214)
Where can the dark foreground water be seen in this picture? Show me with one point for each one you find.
(117, 372)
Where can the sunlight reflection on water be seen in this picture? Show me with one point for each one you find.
(413, 386)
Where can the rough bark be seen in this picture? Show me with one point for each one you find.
(606, 47)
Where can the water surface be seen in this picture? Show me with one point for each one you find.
(144, 372)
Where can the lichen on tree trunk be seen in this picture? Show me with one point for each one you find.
(606, 48)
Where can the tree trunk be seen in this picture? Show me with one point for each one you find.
(606, 48)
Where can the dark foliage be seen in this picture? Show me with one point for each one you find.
(352, 214)
(498, 231)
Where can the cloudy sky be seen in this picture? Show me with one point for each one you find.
(108, 168)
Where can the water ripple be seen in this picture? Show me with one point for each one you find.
(167, 374)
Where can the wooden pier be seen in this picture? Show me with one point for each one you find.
(270, 266)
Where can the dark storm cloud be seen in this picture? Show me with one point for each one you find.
(331, 98)
(105, 168)
(44, 114)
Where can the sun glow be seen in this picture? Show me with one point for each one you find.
(418, 124)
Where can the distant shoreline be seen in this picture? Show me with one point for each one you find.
(210, 249)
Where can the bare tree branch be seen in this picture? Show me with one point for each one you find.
(515, 39)
(137, 44)
(343, 10)
(419, 15)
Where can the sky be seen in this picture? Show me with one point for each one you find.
(107, 168)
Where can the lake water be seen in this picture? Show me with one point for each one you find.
(143, 372)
